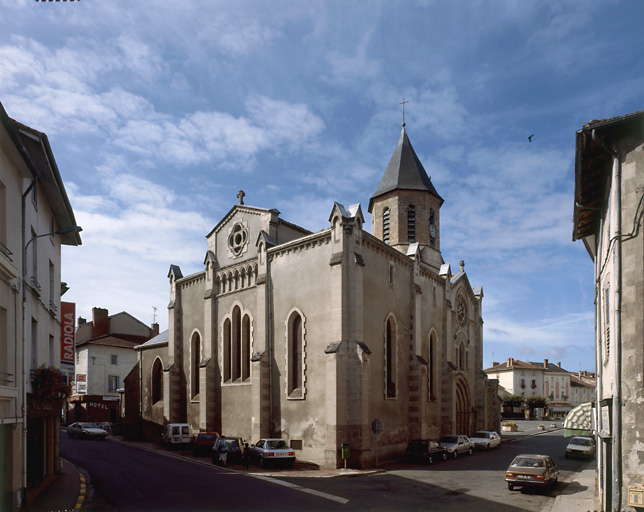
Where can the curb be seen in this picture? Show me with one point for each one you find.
(296, 474)
(82, 493)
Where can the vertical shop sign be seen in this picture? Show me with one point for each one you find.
(67, 332)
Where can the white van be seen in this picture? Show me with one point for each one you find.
(177, 434)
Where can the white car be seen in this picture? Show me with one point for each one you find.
(86, 430)
(581, 446)
(485, 439)
(456, 445)
(272, 450)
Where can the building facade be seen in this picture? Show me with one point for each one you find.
(105, 355)
(608, 209)
(33, 208)
(313, 336)
(528, 378)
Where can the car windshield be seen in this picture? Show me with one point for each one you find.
(276, 443)
(89, 425)
(579, 440)
(231, 442)
(482, 434)
(529, 462)
(449, 439)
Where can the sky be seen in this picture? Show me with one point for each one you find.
(158, 113)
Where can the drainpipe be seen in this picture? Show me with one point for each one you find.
(616, 188)
(269, 300)
(600, 464)
(25, 370)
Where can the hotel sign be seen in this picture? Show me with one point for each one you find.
(67, 332)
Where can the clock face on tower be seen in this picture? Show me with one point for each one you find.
(432, 231)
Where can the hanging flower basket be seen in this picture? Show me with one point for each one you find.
(49, 385)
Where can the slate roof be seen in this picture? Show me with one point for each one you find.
(404, 172)
(160, 339)
(36, 152)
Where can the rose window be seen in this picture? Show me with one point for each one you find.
(238, 239)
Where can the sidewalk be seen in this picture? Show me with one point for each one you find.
(579, 495)
(66, 492)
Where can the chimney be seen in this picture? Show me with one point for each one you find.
(545, 364)
(559, 364)
(510, 361)
(101, 322)
(154, 330)
(81, 320)
(495, 363)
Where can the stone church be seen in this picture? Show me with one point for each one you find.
(313, 336)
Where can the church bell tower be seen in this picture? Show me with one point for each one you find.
(405, 209)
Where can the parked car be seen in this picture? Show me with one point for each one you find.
(581, 446)
(425, 450)
(532, 470)
(456, 445)
(176, 434)
(232, 446)
(86, 430)
(272, 450)
(203, 443)
(485, 439)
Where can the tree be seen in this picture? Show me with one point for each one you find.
(536, 402)
(512, 400)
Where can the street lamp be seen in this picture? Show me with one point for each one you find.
(61, 231)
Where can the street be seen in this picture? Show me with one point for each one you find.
(126, 478)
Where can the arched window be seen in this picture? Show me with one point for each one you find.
(385, 225)
(157, 381)
(295, 353)
(227, 348)
(195, 359)
(390, 359)
(246, 348)
(411, 223)
(236, 344)
(432, 364)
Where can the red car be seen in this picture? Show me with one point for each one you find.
(203, 443)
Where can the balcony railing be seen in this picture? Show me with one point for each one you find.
(52, 306)
(5, 250)
(6, 379)
(35, 285)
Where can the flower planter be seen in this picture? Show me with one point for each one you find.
(509, 428)
(540, 427)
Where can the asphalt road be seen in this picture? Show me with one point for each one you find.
(125, 478)
(466, 483)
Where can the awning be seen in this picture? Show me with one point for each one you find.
(579, 420)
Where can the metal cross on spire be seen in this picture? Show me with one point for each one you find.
(241, 195)
(403, 104)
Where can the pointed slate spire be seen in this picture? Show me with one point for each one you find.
(404, 172)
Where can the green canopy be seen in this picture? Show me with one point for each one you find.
(579, 421)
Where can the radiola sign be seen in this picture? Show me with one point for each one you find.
(67, 332)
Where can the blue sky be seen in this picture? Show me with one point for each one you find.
(159, 112)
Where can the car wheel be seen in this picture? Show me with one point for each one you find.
(470, 451)
(487, 447)
(455, 454)
(262, 462)
(444, 456)
(430, 460)
(510, 486)
(547, 488)
(70, 435)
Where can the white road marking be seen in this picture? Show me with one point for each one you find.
(303, 489)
